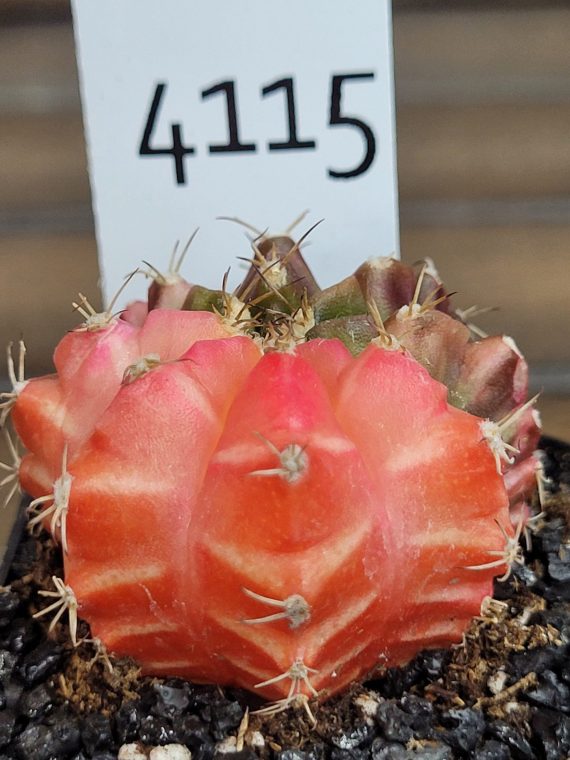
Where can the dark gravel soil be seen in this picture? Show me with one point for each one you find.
(504, 693)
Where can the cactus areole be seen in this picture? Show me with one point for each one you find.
(283, 488)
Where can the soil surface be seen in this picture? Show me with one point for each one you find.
(503, 693)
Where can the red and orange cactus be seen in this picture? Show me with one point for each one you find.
(283, 488)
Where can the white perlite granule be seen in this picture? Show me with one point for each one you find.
(227, 746)
(170, 752)
(167, 752)
(132, 752)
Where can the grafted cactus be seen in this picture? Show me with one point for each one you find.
(283, 488)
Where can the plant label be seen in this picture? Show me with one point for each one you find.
(256, 111)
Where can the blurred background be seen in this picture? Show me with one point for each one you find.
(483, 117)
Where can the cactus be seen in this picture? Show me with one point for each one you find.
(283, 488)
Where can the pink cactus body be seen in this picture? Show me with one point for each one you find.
(276, 513)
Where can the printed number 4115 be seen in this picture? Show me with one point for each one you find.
(227, 89)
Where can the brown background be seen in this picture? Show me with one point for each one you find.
(483, 111)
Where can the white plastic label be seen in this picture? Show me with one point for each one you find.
(257, 110)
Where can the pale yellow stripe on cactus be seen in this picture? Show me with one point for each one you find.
(452, 539)
(443, 629)
(240, 454)
(318, 563)
(140, 629)
(166, 666)
(424, 452)
(439, 590)
(320, 634)
(451, 610)
(330, 666)
(199, 399)
(323, 562)
(332, 444)
(255, 674)
(101, 580)
(243, 453)
(262, 637)
(139, 483)
(54, 410)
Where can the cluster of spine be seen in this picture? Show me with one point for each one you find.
(283, 487)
